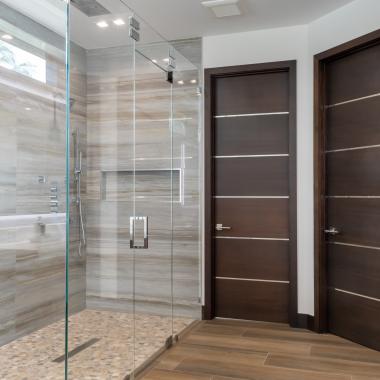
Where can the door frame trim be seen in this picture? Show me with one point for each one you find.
(209, 77)
(320, 260)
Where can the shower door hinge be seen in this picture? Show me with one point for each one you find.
(172, 61)
(169, 77)
(171, 67)
(134, 35)
(134, 27)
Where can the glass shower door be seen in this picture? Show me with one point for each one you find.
(154, 192)
(101, 330)
(165, 219)
(122, 173)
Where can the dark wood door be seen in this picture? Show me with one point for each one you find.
(352, 238)
(253, 193)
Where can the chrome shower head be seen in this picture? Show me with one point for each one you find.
(90, 8)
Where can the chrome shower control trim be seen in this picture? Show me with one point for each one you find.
(54, 199)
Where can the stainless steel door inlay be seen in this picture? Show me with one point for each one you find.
(357, 294)
(353, 148)
(251, 279)
(255, 155)
(354, 245)
(353, 100)
(252, 114)
(249, 238)
(251, 197)
(353, 196)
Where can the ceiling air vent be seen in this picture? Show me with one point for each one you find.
(223, 8)
(91, 8)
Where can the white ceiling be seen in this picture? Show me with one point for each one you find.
(177, 19)
(174, 19)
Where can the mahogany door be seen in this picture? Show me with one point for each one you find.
(352, 230)
(253, 192)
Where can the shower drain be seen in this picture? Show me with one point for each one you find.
(77, 350)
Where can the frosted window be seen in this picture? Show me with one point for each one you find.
(23, 62)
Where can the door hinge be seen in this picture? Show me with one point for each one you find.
(170, 77)
(134, 27)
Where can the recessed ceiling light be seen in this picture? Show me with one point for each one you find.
(193, 81)
(223, 8)
(28, 109)
(181, 82)
(7, 37)
(167, 60)
(119, 22)
(102, 24)
(154, 60)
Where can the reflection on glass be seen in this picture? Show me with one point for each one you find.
(32, 193)
(21, 61)
(133, 155)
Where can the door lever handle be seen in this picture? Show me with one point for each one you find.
(332, 231)
(220, 227)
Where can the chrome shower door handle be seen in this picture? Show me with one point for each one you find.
(146, 237)
(133, 220)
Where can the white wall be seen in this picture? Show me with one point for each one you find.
(354, 20)
(298, 43)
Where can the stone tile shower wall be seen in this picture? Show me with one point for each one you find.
(32, 160)
(110, 203)
(78, 131)
(32, 144)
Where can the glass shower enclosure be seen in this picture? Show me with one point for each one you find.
(99, 187)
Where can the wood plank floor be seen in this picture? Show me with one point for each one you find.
(240, 350)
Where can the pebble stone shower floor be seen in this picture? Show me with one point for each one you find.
(103, 341)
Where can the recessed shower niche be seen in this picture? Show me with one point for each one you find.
(161, 185)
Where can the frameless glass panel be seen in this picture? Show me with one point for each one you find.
(154, 176)
(101, 328)
(186, 209)
(167, 185)
(125, 189)
(32, 188)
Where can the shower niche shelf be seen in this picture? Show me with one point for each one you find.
(150, 185)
